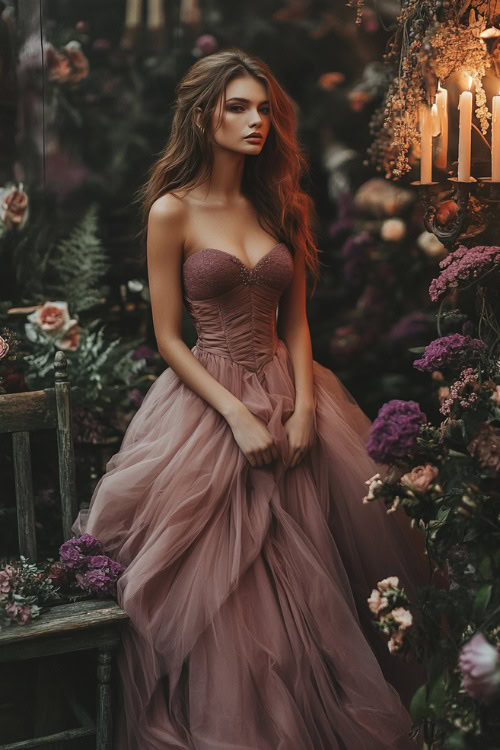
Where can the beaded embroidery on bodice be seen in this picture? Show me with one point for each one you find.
(233, 307)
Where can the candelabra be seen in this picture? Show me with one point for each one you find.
(485, 192)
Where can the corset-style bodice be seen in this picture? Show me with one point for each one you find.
(233, 307)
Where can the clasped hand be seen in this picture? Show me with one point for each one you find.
(258, 445)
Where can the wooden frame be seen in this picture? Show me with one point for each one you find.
(66, 628)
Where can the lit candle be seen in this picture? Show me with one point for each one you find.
(156, 14)
(133, 13)
(464, 136)
(442, 144)
(495, 141)
(425, 144)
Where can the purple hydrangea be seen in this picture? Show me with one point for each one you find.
(74, 552)
(464, 264)
(394, 432)
(412, 326)
(355, 252)
(101, 576)
(450, 352)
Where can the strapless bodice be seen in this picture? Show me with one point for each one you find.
(233, 307)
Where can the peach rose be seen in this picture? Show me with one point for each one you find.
(388, 583)
(420, 478)
(376, 602)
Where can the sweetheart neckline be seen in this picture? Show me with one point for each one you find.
(231, 255)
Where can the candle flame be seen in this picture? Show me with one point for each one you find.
(470, 83)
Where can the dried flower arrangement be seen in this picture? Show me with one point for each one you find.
(433, 40)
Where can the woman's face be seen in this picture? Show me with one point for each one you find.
(245, 111)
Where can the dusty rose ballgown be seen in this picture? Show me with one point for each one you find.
(246, 587)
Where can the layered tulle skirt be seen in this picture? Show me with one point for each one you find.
(246, 587)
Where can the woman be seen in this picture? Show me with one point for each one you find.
(235, 499)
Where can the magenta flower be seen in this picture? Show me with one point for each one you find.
(450, 352)
(479, 663)
(464, 264)
(394, 431)
(74, 552)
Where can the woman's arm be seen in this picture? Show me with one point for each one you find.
(166, 225)
(293, 329)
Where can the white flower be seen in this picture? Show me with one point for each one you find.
(429, 243)
(374, 483)
(403, 617)
(393, 230)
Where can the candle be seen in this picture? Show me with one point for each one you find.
(133, 13)
(464, 136)
(156, 14)
(442, 144)
(495, 141)
(425, 144)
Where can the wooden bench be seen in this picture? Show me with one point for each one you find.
(64, 628)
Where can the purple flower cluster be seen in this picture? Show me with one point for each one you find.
(355, 252)
(415, 325)
(94, 571)
(464, 264)
(395, 430)
(75, 552)
(101, 575)
(450, 352)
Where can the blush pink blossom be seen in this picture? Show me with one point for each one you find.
(388, 583)
(420, 478)
(403, 617)
(479, 663)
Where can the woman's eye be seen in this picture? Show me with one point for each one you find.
(236, 107)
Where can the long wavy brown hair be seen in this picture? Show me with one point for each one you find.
(271, 180)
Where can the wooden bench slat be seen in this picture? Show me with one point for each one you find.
(64, 618)
(25, 412)
(24, 493)
(67, 734)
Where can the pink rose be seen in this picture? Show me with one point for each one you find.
(4, 347)
(420, 478)
(479, 663)
(52, 318)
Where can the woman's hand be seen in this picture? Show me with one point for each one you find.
(253, 437)
(299, 428)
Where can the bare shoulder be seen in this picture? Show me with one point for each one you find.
(166, 230)
(168, 208)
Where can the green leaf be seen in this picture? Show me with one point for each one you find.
(419, 708)
(455, 741)
(481, 601)
(417, 349)
(438, 694)
(485, 567)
